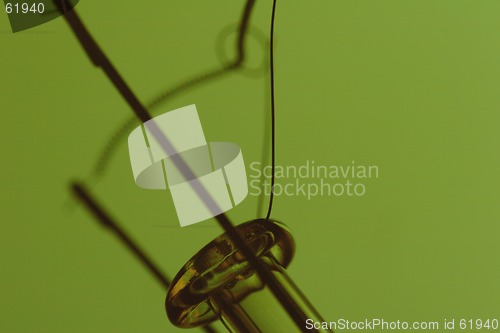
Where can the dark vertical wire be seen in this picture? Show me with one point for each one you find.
(273, 113)
(99, 58)
(266, 147)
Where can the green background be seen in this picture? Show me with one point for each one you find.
(410, 86)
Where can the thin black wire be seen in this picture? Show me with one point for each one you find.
(266, 147)
(99, 59)
(273, 113)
